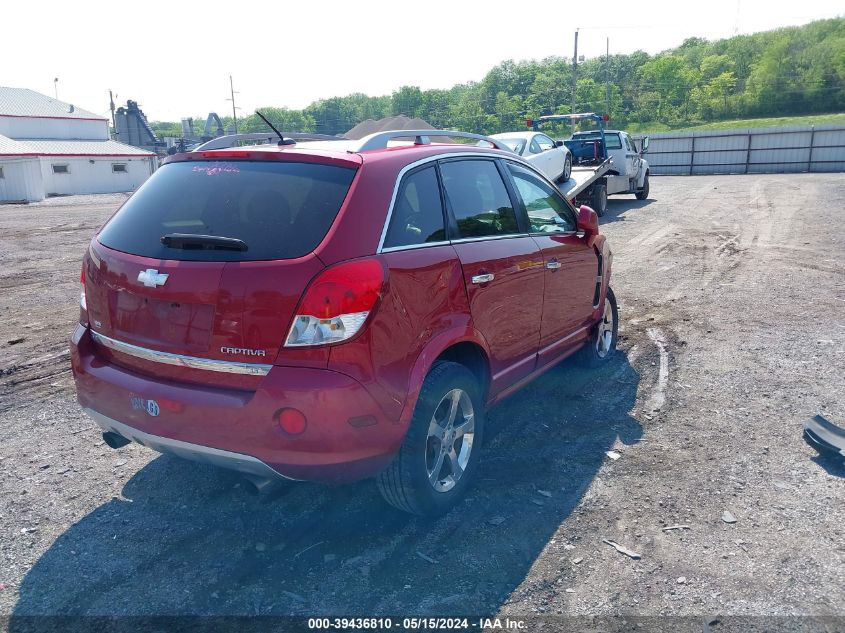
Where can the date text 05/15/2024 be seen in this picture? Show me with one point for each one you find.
(418, 624)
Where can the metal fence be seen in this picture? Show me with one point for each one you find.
(790, 149)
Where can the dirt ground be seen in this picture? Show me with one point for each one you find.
(732, 300)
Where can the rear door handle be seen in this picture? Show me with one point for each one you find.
(482, 279)
(553, 265)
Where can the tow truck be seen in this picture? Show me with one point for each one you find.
(604, 162)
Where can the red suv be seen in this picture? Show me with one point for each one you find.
(332, 311)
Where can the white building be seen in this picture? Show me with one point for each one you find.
(48, 147)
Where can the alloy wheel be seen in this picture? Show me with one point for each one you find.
(449, 442)
(605, 334)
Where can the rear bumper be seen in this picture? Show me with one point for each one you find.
(347, 437)
(256, 470)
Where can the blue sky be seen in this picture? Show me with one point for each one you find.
(175, 57)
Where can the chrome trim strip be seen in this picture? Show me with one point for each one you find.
(531, 357)
(245, 464)
(192, 362)
(561, 233)
(561, 341)
(411, 247)
(423, 161)
(488, 238)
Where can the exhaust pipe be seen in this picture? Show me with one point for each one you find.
(266, 486)
(114, 440)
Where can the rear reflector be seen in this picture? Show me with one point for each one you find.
(337, 303)
(292, 421)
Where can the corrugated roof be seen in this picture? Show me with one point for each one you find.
(9, 146)
(52, 147)
(26, 102)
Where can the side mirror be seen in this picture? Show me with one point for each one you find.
(644, 143)
(588, 222)
(558, 143)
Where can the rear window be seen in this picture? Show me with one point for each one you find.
(515, 144)
(280, 210)
(610, 138)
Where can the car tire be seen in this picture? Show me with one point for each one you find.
(567, 169)
(421, 478)
(642, 194)
(602, 342)
(598, 199)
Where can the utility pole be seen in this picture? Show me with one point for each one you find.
(234, 113)
(56, 87)
(111, 107)
(607, 80)
(574, 72)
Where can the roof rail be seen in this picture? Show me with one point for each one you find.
(230, 140)
(379, 140)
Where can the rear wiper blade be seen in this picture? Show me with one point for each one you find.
(189, 241)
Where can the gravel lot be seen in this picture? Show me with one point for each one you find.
(732, 293)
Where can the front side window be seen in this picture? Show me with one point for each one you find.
(417, 213)
(534, 147)
(478, 198)
(547, 211)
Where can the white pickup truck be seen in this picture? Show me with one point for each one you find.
(604, 162)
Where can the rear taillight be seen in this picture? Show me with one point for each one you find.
(337, 303)
(83, 302)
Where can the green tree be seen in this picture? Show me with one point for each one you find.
(408, 100)
(714, 65)
(284, 119)
(668, 81)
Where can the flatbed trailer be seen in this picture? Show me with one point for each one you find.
(594, 174)
(582, 180)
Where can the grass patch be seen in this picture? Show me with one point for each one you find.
(733, 124)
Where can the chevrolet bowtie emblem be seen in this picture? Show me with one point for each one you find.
(152, 278)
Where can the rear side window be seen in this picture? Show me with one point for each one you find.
(478, 198)
(280, 210)
(547, 211)
(417, 213)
